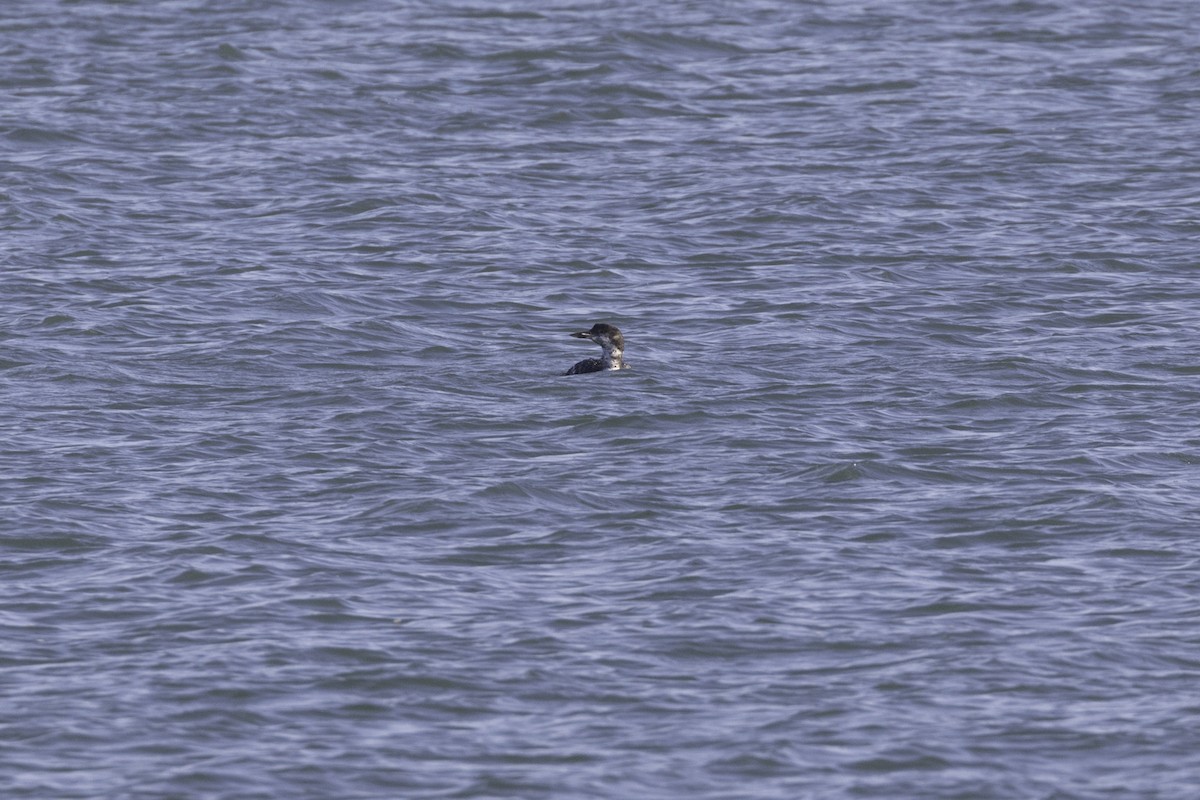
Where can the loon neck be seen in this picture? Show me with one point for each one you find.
(612, 358)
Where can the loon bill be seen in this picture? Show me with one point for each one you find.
(608, 337)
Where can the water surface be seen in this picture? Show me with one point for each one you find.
(898, 500)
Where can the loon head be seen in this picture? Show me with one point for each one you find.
(605, 335)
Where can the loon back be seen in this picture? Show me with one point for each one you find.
(588, 365)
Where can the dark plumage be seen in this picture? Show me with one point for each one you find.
(608, 337)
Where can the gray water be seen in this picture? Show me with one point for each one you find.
(899, 499)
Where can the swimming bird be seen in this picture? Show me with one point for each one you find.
(608, 337)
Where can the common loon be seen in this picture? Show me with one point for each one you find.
(608, 337)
